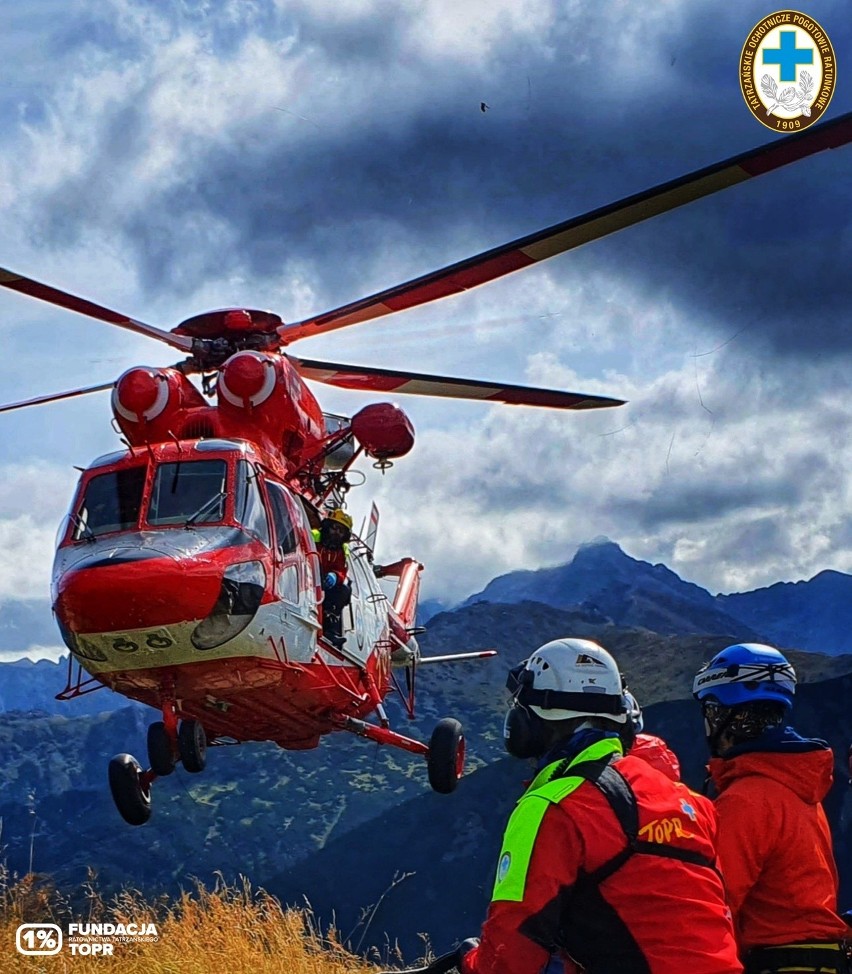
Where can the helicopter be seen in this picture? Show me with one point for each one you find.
(187, 574)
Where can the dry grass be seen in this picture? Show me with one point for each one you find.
(230, 929)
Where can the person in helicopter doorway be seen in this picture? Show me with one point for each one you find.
(606, 862)
(774, 841)
(332, 541)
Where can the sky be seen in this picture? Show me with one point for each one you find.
(164, 158)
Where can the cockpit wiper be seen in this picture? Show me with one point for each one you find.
(207, 506)
(85, 532)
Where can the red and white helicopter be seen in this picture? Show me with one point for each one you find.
(187, 575)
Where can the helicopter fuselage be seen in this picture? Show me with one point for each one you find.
(187, 571)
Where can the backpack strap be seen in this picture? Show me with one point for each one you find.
(618, 793)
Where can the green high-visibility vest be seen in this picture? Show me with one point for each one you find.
(316, 534)
(522, 830)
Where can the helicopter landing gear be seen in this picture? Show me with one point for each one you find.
(445, 761)
(444, 755)
(192, 745)
(161, 750)
(168, 743)
(131, 789)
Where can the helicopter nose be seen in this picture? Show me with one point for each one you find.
(116, 595)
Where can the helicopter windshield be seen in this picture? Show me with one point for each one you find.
(188, 492)
(111, 503)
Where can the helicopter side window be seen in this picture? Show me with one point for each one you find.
(249, 509)
(111, 503)
(285, 532)
(188, 492)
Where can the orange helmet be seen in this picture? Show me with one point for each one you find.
(341, 517)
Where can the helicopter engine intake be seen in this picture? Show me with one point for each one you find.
(150, 405)
(247, 379)
(268, 392)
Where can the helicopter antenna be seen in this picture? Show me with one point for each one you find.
(373, 529)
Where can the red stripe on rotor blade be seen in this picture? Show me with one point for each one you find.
(377, 383)
(55, 397)
(829, 135)
(554, 400)
(461, 280)
(53, 296)
(44, 292)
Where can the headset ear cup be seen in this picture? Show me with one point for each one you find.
(523, 733)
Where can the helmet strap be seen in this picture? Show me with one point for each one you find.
(714, 738)
(715, 730)
(742, 723)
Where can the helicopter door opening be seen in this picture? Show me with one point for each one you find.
(286, 561)
(111, 502)
(294, 583)
(249, 509)
(311, 580)
(358, 618)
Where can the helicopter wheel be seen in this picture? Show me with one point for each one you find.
(445, 761)
(161, 757)
(192, 744)
(131, 797)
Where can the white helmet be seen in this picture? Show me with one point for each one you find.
(634, 712)
(573, 678)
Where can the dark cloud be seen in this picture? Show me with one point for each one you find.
(420, 167)
(672, 503)
(366, 160)
(763, 537)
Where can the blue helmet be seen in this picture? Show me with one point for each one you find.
(745, 673)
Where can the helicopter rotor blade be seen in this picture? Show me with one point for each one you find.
(415, 383)
(561, 237)
(35, 289)
(55, 396)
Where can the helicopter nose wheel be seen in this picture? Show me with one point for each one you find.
(131, 789)
(162, 757)
(445, 761)
(192, 745)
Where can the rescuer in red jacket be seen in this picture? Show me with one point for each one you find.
(774, 842)
(332, 539)
(606, 862)
(649, 747)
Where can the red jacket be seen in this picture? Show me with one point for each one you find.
(653, 915)
(658, 754)
(775, 846)
(331, 559)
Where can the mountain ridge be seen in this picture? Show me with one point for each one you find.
(813, 614)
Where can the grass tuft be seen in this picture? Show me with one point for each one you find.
(229, 929)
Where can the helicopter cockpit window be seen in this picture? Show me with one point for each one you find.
(285, 532)
(248, 508)
(188, 492)
(111, 503)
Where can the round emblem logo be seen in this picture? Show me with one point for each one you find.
(787, 71)
(503, 868)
